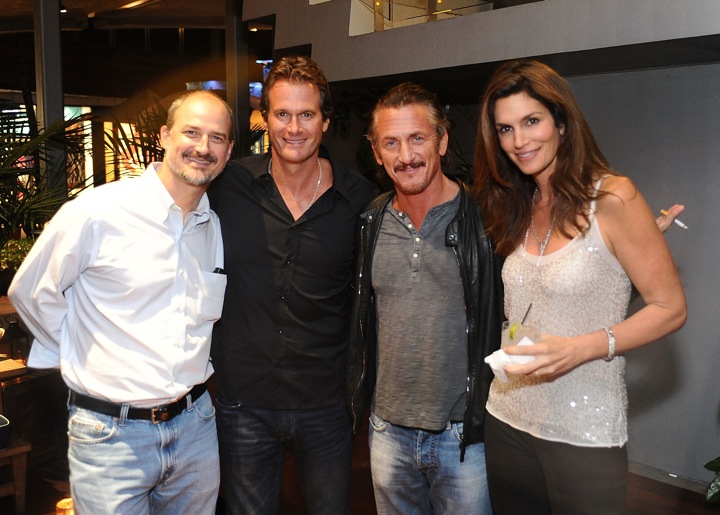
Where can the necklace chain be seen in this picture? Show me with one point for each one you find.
(317, 186)
(542, 243)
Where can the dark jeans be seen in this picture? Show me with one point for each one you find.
(530, 475)
(252, 452)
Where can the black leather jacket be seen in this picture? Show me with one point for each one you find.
(482, 285)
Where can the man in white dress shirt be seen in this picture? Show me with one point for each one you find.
(121, 291)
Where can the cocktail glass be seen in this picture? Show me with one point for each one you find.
(516, 333)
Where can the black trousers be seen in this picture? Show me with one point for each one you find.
(534, 476)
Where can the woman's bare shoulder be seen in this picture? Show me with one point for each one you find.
(619, 193)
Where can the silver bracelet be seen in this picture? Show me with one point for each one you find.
(611, 344)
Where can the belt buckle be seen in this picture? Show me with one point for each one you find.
(163, 413)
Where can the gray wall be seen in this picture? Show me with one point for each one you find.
(541, 28)
(660, 127)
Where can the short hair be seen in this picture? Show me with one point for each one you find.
(179, 101)
(297, 69)
(407, 94)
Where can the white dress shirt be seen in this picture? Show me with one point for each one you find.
(120, 292)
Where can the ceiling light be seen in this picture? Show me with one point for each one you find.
(255, 27)
(138, 3)
(63, 10)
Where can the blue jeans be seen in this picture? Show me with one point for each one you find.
(252, 453)
(416, 471)
(134, 466)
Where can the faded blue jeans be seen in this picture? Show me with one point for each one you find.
(134, 466)
(420, 472)
(252, 453)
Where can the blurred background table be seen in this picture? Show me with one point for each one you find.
(36, 405)
(5, 307)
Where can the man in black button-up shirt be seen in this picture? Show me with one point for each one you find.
(289, 222)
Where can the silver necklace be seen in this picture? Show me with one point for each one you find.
(317, 186)
(532, 219)
(542, 243)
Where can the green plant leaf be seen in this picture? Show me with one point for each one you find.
(713, 465)
(713, 490)
(13, 253)
(32, 162)
(136, 144)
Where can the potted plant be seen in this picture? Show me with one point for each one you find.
(12, 254)
(713, 489)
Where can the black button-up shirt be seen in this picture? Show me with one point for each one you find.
(281, 342)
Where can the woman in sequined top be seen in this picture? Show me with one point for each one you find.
(576, 235)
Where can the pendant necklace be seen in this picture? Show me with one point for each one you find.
(317, 186)
(542, 243)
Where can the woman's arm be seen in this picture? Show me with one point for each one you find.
(631, 233)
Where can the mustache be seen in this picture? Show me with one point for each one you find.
(197, 155)
(409, 166)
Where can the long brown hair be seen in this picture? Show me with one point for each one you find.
(503, 192)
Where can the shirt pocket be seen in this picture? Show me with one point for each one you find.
(212, 294)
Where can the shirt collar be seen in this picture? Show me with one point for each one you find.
(165, 203)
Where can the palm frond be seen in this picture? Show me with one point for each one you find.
(28, 156)
(136, 143)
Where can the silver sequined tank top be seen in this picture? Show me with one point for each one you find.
(576, 290)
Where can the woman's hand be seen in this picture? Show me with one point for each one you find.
(554, 355)
(665, 221)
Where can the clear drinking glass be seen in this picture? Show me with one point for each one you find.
(514, 333)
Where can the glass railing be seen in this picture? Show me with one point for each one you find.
(391, 14)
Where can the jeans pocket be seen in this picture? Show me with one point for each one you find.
(204, 407)
(378, 423)
(222, 404)
(88, 427)
(457, 429)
